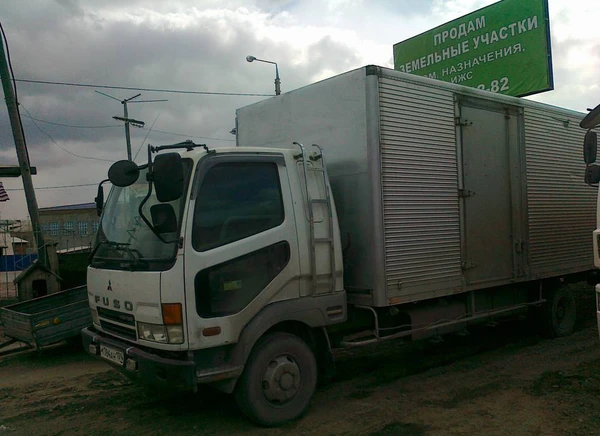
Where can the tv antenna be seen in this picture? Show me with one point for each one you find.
(125, 118)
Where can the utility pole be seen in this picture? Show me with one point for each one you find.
(23, 158)
(125, 118)
(127, 121)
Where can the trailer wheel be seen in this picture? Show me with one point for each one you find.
(559, 313)
(279, 380)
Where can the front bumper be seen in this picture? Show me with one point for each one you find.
(150, 369)
(142, 366)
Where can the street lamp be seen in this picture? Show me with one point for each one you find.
(250, 58)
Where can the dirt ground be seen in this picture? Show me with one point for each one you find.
(502, 380)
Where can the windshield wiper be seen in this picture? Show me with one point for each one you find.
(136, 256)
(134, 253)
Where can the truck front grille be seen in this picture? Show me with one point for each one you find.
(118, 330)
(113, 315)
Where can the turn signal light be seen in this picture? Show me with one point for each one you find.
(172, 314)
(211, 331)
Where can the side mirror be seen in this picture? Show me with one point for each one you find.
(99, 199)
(167, 175)
(590, 147)
(123, 173)
(592, 174)
(163, 218)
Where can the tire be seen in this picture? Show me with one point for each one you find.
(559, 313)
(279, 380)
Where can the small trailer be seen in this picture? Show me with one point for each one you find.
(45, 320)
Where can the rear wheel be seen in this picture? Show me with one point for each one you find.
(279, 380)
(559, 313)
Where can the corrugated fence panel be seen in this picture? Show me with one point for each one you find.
(421, 209)
(562, 208)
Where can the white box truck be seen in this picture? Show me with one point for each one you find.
(424, 207)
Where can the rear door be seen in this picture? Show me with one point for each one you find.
(491, 195)
(241, 245)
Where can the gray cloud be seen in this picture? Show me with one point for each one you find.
(179, 45)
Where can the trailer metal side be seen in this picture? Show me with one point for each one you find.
(49, 319)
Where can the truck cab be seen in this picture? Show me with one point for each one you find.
(592, 177)
(223, 267)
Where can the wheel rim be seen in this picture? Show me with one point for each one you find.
(281, 380)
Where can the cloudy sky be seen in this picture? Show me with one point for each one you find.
(201, 45)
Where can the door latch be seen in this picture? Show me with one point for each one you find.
(468, 265)
(464, 193)
(460, 122)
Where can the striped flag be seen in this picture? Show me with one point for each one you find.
(3, 194)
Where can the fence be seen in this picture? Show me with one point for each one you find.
(17, 252)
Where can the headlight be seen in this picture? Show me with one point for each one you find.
(172, 334)
(175, 333)
(152, 332)
(95, 318)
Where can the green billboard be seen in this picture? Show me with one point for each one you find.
(504, 48)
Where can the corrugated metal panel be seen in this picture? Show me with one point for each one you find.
(562, 208)
(421, 209)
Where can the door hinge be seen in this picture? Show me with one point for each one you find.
(468, 265)
(460, 122)
(464, 193)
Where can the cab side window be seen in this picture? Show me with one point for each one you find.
(235, 201)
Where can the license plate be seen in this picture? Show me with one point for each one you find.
(111, 354)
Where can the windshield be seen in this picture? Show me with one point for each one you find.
(124, 240)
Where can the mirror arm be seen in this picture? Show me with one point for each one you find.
(148, 223)
(150, 178)
(150, 150)
(145, 200)
(100, 208)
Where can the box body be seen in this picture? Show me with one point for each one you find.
(439, 188)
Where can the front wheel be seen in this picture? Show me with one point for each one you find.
(279, 380)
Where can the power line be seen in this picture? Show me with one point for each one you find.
(133, 88)
(72, 125)
(59, 146)
(55, 187)
(146, 137)
(191, 136)
(115, 125)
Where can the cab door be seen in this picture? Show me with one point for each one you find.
(241, 245)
